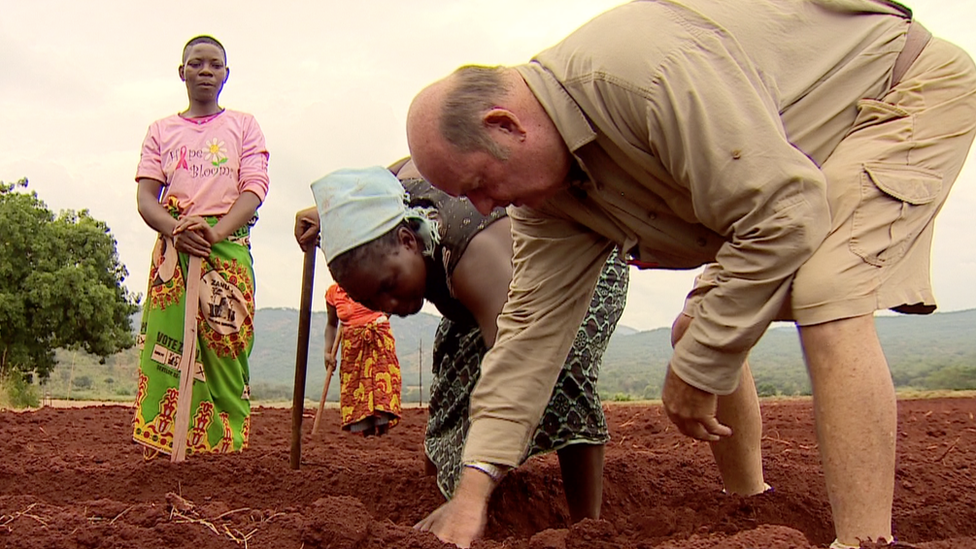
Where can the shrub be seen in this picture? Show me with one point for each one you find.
(83, 382)
(17, 391)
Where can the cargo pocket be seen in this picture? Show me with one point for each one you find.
(897, 202)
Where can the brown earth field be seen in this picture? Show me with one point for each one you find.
(70, 478)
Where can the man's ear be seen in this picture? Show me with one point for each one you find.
(182, 76)
(226, 74)
(505, 121)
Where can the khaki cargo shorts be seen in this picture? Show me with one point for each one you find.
(886, 181)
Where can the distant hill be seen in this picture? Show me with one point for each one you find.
(935, 351)
(273, 356)
(925, 352)
(625, 330)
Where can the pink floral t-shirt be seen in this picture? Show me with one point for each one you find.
(206, 166)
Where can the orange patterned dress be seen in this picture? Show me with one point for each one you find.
(369, 371)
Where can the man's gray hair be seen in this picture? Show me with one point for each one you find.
(476, 89)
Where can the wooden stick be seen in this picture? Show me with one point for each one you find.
(187, 360)
(328, 379)
(949, 449)
(301, 357)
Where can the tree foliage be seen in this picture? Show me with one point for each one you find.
(60, 285)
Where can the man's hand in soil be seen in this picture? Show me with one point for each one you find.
(462, 520)
(692, 410)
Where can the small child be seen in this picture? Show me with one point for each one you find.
(369, 386)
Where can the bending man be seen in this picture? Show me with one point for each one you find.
(800, 149)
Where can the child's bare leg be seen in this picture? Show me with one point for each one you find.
(582, 470)
(739, 457)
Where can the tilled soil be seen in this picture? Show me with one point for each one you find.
(70, 478)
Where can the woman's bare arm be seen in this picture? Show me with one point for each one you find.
(483, 274)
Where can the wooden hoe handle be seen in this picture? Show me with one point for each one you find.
(328, 379)
(187, 359)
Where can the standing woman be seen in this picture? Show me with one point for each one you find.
(201, 178)
(369, 378)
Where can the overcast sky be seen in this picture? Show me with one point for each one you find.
(330, 83)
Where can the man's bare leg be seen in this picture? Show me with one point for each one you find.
(856, 418)
(739, 457)
(582, 469)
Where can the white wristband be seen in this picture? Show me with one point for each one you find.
(495, 472)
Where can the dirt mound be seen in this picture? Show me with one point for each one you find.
(69, 478)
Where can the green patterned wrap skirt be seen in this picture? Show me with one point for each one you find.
(221, 407)
(574, 414)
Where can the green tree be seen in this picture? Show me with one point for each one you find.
(60, 285)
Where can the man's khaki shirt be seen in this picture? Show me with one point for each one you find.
(698, 127)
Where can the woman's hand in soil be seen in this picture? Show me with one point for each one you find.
(462, 520)
(692, 410)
